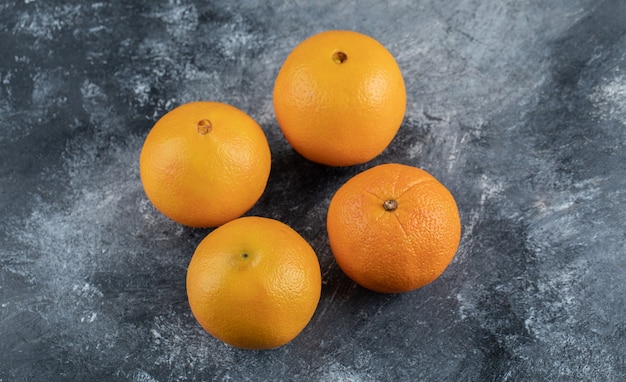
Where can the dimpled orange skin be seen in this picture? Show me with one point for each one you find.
(205, 163)
(339, 98)
(393, 247)
(254, 283)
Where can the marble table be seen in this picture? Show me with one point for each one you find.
(518, 107)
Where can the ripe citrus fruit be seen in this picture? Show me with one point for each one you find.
(393, 228)
(339, 98)
(205, 163)
(254, 283)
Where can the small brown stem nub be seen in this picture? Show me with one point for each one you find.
(339, 57)
(390, 205)
(204, 126)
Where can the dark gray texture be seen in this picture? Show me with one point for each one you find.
(518, 107)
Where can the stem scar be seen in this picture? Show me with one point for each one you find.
(390, 205)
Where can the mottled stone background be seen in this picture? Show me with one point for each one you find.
(518, 107)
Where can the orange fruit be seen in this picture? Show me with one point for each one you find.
(339, 98)
(205, 163)
(393, 228)
(254, 283)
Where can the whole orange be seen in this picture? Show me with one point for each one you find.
(339, 98)
(205, 163)
(254, 283)
(393, 228)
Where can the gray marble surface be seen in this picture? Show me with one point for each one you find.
(518, 107)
